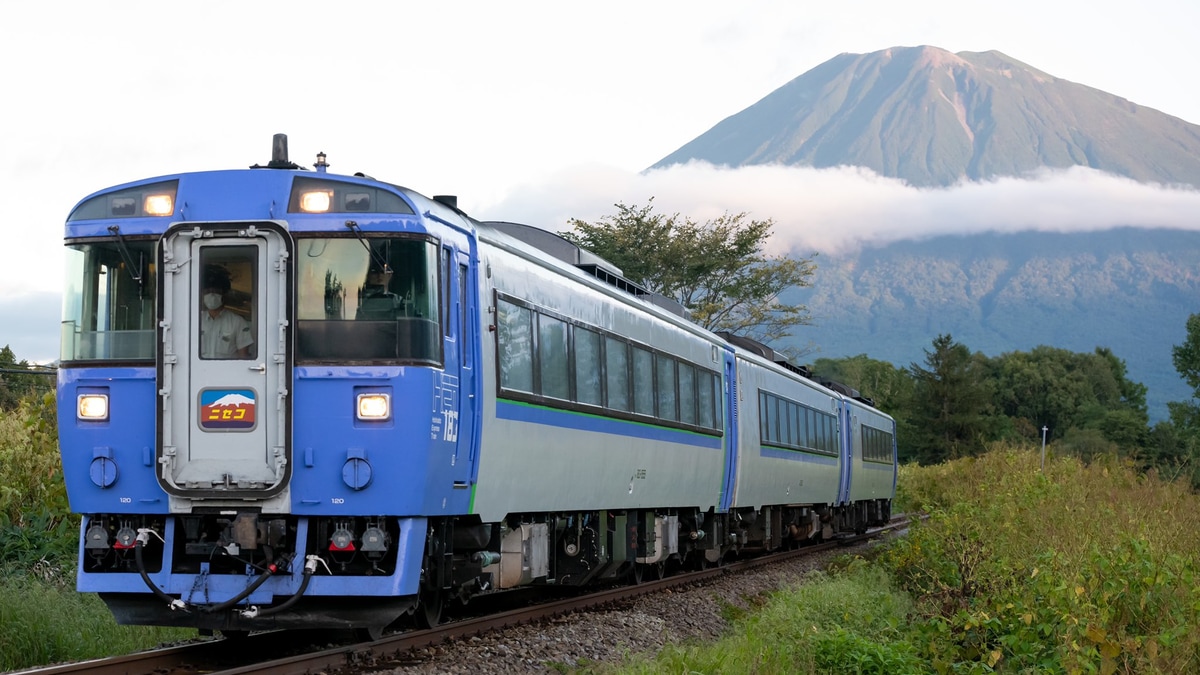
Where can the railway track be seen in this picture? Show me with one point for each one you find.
(274, 653)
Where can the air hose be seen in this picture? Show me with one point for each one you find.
(310, 568)
(143, 537)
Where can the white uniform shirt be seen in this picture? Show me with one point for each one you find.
(222, 337)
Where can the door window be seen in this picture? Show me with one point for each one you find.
(228, 302)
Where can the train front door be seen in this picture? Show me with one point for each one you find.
(223, 364)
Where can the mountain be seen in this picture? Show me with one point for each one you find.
(1127, 289)
(934, 118)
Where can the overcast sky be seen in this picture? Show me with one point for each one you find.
(533, 111)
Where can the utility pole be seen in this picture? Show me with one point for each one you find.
(1044, 430)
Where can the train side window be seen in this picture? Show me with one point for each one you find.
(705, 391)
(785, 422)
(587, 367)
(668, 397)
(447, 284)
(810, 428)
(643, 381)
(687, 393)
(552, 357)
(616, 374)
(514, 328)
(464, 331)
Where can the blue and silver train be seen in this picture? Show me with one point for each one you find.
(289, 398)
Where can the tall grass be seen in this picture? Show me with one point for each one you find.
(45, 621)
(1080, 568)
(1077, 568)
(42, 618)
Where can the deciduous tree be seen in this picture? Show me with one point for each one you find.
(719, 270)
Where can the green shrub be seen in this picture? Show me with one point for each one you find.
(35, 519)
(1077, 568)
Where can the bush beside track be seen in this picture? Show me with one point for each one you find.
(1077, 569)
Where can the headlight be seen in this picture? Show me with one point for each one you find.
(159, 204)
(92, 407)
(317, 201)
(374, 406)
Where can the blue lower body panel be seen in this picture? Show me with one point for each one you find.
(336, 596)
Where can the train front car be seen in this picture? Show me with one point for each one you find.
(262, 396)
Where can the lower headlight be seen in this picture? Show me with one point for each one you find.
(92, 407)
(374, 406)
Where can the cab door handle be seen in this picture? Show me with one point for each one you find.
(261, 368)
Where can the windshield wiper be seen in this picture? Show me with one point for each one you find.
(380, 262)
(135, 271)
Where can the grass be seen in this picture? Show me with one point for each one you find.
(46, 621)
(851, 622)
(1080, 568)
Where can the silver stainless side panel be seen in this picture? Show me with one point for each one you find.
(767, 477)
(525, 466)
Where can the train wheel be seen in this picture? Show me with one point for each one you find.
(656, 571)
(637, 573)
(429, 609)
(431, 599)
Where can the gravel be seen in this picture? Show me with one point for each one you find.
(642, 625)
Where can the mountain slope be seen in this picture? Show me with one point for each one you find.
(933, 118)
(1127, 289)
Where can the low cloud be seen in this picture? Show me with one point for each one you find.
(840, 209)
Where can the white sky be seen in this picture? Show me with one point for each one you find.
(533, 111)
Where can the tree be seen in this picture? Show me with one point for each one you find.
(1186, 357)
(718, 270)
(14, 384)
(950, 403)
(1065, 390)
(888, 386)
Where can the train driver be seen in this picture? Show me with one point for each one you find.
(376, 300)
(224, 334)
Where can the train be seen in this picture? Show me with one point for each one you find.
(289, 398)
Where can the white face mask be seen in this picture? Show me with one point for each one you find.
(212, 300)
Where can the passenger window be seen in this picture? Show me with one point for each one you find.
(552, 357)
(515, 336)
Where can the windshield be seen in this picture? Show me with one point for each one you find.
(109, 301)
(355, 305)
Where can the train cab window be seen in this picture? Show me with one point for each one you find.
(372, 299)
(109, 301)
